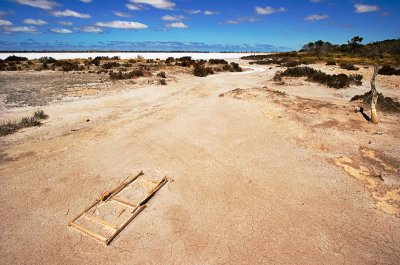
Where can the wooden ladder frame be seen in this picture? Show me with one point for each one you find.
(136, 209)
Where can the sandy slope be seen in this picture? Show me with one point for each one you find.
(260, 177)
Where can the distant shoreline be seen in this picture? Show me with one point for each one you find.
(111, 51)
(61, 55)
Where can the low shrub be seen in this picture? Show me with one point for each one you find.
(235, 67)
(387, 104)
(161, 74)
(163, 82)
(202, 71)
(169, 60)
(69, 66)
(110, 65)
(388, 70)
(330, 63)
(128, 75)
(14, 58)
(46, 60)
(217, 61)
(349, 67)
(13, 126)
(335, 81)
(291, 64)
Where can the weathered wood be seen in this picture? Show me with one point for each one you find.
(153, 192)
(374, 99)
(87, 209)
(123, 201)
(122, 186)
(101, 221)
(90, 233)
(138, 210)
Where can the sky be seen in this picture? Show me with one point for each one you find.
(192, 25)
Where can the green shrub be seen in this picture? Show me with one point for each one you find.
(217, 61)
(14, 58)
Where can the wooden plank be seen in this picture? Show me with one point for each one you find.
(87, 209)
(101, 221)
(138, 210)
(123, 201)
(86, 231)
(153, 192)
(122, 186)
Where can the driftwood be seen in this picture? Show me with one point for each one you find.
(374, 100)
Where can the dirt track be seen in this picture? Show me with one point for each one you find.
(259, 177)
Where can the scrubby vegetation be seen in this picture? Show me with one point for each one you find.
(387, 70)
(201, 71)
(387, 104)
(127, 75)
(349, 67)
(14, 58)
(330, 62)
(10, 127)
(335, 81)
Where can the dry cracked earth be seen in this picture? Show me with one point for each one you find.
(264, 173)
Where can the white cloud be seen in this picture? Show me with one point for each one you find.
(209, 13)
(121, 14)
(65, 23)
(86, 1)
(205, 12)
(61, 31)
(316, 17)
(92, 29)
(5, 22)
(69, 13)
(172, 18)
(269, 10)
(25, 29)
(160, 4)
(177, 25)
(43, 4)
(37, 22)
(132, 7)
(193, 12)
(122, 25)
(360, 8)
(241, 20)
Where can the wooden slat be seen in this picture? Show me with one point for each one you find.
(123, 201)
(101, 221)
(138, 210)
(87, 209)
(86, 231)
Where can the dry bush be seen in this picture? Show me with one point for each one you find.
(335, 81)
(349, 67)
(201, 71)
(10, 127)
(388, 70)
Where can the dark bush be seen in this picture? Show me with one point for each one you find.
(68, 66)
(46, 60)
(170, 60)
(129, 75)
(335, 81)
(387, 70)
(202, 71)
(387, 104)
(330, 62)
(110, 65)
(40, 115)
(235, 67)
(291, 63)
(217, 61)
(349, 67)
(161, 74)
(14, 58)
(163, 82)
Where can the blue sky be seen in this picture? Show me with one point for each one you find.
(208, 25)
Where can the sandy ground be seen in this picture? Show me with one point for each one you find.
(263, 174)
